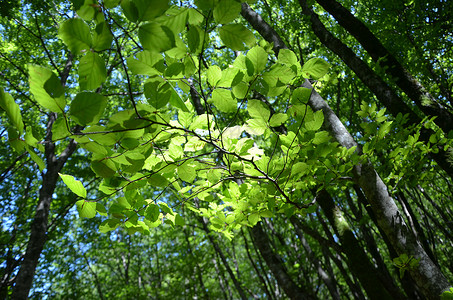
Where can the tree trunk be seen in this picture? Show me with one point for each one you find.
(276, 265)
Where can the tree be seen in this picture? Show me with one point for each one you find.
(210, 118)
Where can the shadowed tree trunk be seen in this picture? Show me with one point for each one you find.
(276, 265)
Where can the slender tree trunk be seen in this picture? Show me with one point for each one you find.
(276, 265)
(328, 280)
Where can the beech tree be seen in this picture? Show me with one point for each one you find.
(219, 149)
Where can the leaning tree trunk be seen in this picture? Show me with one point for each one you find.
(426, 274)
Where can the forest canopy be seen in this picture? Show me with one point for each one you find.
(219, 149)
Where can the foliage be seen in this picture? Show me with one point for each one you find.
(179, 131)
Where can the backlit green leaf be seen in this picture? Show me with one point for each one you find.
(223, 100)
(258, 110)
(155, 37)
(278, 119)
(236, 36)
(102, 38)
(42, 82)
(12, 110)
(74, 185)
(75, 33)
(92, 72)
(315, 68)
(258, 56)
(86, 209)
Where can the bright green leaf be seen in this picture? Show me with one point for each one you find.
(75, 33)
(40, 78)
(74, 185)
(92, 72)
(223, 100)
(12, 110)
(155, 37)
(258, 110)
(258, 56)
(86, 209)
(316, 68)
(236, 36)
(278, 119)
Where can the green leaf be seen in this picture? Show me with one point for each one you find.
(278, 75)
(152, 212)
(12, 110)
(175, 18)
(156, 37)
(111, 3)
(87, 108)
(240, 90)
(256, 126)
(287, 57)
(75, 33)
(109, 225)
(301, 95)
(253, 219)
(206, 4)
(187, 172)
(147, 63)
(150, 9)
(88, 10)
(179, 221)
(226, 11)
(158, 93)
(86, 209)
(223, 100)
(92, 72)
(130, 10)
(258, 110)
(36, 158)
(195, 38)
(316, 68)
(278, 119)
(74, 185)
(102, 38)
(214, 74)
(316, 123)
(104, 168)
(236, 36)
(258, 57)
(41, 82)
